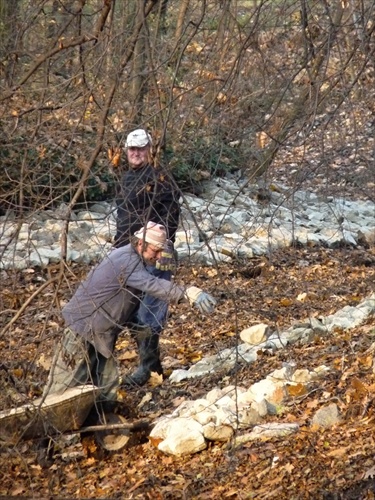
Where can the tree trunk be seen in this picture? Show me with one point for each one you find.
(184, 5)
(139, 66)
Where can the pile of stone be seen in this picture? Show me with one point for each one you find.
(260, 337)
(224, 412)
(227, 220)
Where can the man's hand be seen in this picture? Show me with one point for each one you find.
(203, 301)
(167, 260)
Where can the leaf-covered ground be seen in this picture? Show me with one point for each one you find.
(336, 463)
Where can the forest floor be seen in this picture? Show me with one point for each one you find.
(337, 463)
(332, 464)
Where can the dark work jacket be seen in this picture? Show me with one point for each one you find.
(146, 194)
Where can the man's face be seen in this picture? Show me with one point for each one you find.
(138, 157)
(150, 253)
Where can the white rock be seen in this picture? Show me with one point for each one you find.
(184, 437)
(37, 259)
(280, 375)
(225, 416)
(260, 407)
(276, 341)
(53, 226)
(178, 375)
(161, 428)
(303, 376)
(188, 236)
(214, 395)
(80, 257)
(245, 251)
(204, 416)
(185, 409)
(281, 237)
(220, 433)
(10, 261)
(327, 416)
(89, 216)
(255, 334)
(233, 391)
(368, 235)
(201, 404)
(246, 398)
(273, 429)
(248, 417)
(248, 352)
(322, 370)
(102, 208)
(269, 390)
(349, 237)
(226, 402)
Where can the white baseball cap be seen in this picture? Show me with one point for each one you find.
(138, 139)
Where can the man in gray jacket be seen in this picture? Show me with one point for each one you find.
(104, 304)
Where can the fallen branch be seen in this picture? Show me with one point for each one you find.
(138, 425)
(25, 304)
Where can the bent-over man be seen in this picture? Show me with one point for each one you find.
(104, 304)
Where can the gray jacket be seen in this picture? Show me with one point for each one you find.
(106, 300)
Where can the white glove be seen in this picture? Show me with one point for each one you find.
(203, 301)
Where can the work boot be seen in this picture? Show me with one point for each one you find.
(149, 357)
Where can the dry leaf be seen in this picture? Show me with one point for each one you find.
(194, 357)
(127, 355)
(155, 379)
(44, 362)
(221, 98)
(296, 390)
(116, 157)
(231, 493)
(211, 273)
(154, 441)
(360, 387)
(17, 372)
(302, 297)
(146, 398)
(194, 47)
(312, 404)
(285, 302)
(289, 468)
(177, 401)
(370, 473)
(340, 452)
(262, 139)
(366, 361)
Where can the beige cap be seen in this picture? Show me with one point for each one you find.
(153, 233)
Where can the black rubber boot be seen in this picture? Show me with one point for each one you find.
(149, 358)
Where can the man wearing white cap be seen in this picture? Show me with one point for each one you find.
(147, 194)
(104, 304)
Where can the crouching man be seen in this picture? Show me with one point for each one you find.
(104, 304)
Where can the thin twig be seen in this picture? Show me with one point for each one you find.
(25, 304)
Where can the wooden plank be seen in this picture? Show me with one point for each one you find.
(57, 413)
